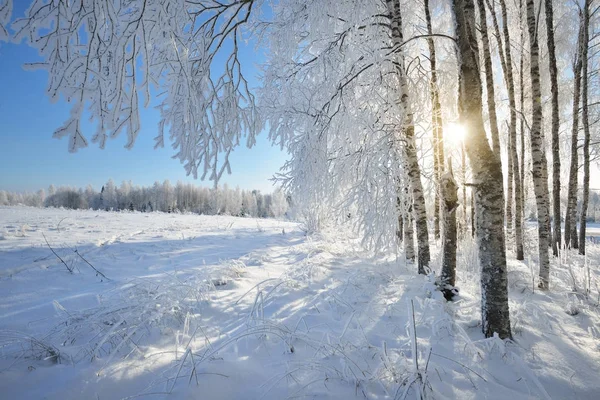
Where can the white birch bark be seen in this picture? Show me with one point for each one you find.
(410, 148)
(556, 237)
(449, 194)
(571, 239)
(437, 123)
(487, 176)
(514, 170)
(489, 78)
(538, 152)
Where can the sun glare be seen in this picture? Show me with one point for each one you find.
(454, 133)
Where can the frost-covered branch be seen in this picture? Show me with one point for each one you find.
(6, 7)
(330, 96)
(104, 56)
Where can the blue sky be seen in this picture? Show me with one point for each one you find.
(31, 159)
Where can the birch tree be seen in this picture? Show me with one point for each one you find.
(514, 167)
(436, 121)
(487, 176)
(489, 78)
(585, 122)
(408, 135)
(449, 194)
(514, 185)
(538, 151)
(571, 239)
(338, 97)
(556, 238)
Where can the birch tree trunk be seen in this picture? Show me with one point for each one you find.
(408, 234)
(489, 79)
(522, 108)
(405, 221)
(449, 192)
(437, 123)
(503, 63)
(556, 238)
(410, 148)
(487, 176)
(510, 175)
(514, 171)
(399, 207)
(538, 152)
(463, 175)
(571, 213)
(586, 127)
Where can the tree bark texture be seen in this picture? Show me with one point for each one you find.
(487, 176)
(405, 221)
(556, 237)
(586, 128)
(449, 192)
(512, 139)
(538, 151)
(437, 123)
(410, 148)
(504, 63)
(571, 238)
(489, 79)
(522, 108)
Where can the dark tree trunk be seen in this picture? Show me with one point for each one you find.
(586, 127)
(571, 213)
(556, 238)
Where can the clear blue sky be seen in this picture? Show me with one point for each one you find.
(31, 159)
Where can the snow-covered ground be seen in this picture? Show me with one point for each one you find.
(199, 307)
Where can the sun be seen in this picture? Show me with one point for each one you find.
(454, 133)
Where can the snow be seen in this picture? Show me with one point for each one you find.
(222, 307)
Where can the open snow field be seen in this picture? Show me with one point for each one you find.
(199, 307)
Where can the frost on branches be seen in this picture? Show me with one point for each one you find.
(5, 14)
(331, 96)
(105, 56)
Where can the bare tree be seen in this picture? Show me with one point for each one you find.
(436, 119)
(513, 176)
(489, 78)
(586, 124)
(522, 105)
(555, 127)
(538, 152)
(408, 135)
(571, 239)
(487, 176)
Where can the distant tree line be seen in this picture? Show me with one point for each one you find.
(165, 197)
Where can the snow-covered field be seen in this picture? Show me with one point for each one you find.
(197, 307)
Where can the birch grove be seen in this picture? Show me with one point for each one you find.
(368, 99)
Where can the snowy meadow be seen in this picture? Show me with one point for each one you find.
(182, 306)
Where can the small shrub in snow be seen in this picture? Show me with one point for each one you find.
(573, 305)
(22, 346)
